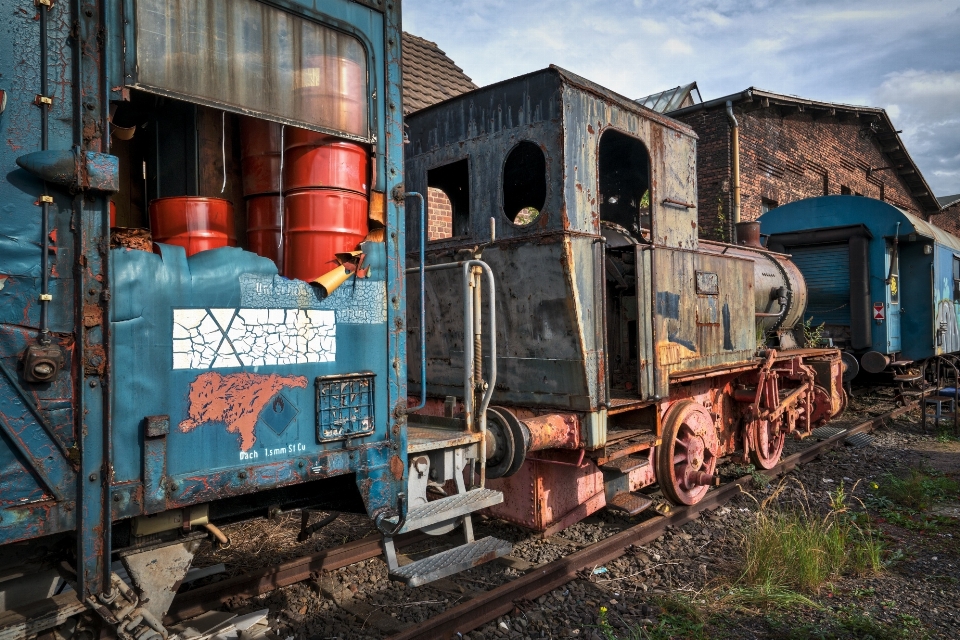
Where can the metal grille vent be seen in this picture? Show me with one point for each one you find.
(345, 406)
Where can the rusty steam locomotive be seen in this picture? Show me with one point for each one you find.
(629, 352)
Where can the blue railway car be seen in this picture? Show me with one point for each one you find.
(885, 284)
(148, 390)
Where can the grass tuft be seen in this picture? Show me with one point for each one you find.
(797, 549)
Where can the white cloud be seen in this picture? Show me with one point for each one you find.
(901, 55)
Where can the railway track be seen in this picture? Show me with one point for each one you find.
(498, 601)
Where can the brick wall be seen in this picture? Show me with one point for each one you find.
(439, 215)
(783, 159)
(948, 219)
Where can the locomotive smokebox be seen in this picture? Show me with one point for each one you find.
(780, 292)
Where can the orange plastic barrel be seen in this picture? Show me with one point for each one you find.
(193, 222)
(333, 88)
(319, 224)
(334, 164)
(263, 227)
(260, 156)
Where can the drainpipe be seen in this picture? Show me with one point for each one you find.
(735, 145)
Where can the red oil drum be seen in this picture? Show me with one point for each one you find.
(333, 89)
(193, 222)
(319, 224)
(297, 137)
(334, 164)
(260, 156)
(113, 214)
(263, 227)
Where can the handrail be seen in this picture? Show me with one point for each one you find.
(423, 303)
(470, 333)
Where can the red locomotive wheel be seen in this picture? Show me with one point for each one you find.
(687, 455)
(766, 442)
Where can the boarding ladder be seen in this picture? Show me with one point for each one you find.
(446, 454)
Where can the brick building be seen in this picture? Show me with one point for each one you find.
(949, 216)
(429, 77)
(793, 148)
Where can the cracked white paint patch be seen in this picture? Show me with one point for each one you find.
(219, 338)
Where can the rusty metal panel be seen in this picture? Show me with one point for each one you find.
(672, 150)
(540, 358)
(646, 357)
(694, 330)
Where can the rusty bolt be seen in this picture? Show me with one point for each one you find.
(173, 486)
(92, 477)
(116, 497)
(300, 464)
(242, 475)
(93, 383)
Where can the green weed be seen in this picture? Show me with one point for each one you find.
(796, 549)
(906, 501)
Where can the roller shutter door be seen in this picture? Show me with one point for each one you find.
(826, 268)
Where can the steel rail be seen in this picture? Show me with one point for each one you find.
(208, 597)
(501, 600)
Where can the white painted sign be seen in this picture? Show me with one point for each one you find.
(220, 338)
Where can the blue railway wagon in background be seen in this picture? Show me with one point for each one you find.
(147, 394)
(885, 284)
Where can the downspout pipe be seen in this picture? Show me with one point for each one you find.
(735, 165)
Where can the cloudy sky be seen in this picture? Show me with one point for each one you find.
(903, 55)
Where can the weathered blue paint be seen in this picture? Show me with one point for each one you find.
(76, 453)
(924, 320)
(74, 169)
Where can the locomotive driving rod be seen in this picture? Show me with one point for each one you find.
(501, 600)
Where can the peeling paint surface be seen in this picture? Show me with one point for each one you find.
(218, 338)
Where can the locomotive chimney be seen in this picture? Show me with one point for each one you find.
(748, 234)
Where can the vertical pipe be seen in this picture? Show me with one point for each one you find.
(468, 363)
(477, 329)
(107, 469)
(44, 333)
(423, 301)
(735, 165)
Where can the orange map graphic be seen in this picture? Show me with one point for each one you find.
(235, 400)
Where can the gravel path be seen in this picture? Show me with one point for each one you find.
(916, 596)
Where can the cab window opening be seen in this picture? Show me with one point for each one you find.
(453, 182)
(624, 177)
(524, 183)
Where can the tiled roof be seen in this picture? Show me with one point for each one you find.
(672, 99)
(948, 201)
(429, 76)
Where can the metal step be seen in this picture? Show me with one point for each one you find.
(629, 503)
(859, 440)
(823, 433)
(451, 561)
(459, 504)
(625, 464)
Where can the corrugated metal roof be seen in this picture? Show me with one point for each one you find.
(673, 99)
(926, 229)
(429, 76)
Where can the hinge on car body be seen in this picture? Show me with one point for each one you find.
(41, 101)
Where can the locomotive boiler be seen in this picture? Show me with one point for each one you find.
(201, 296)
(629, 353)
